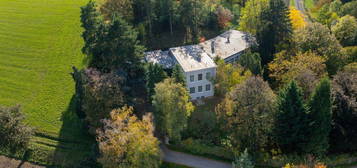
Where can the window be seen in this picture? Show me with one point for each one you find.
(199, 88)
(192, 78)
(199, 76)
(192, 90)
(208, 75)
(208, 87)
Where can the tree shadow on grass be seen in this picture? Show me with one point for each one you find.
(74, 142)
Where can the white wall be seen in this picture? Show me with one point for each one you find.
(196, 83)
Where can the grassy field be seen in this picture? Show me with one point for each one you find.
(39, 42)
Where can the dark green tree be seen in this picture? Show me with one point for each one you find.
(90, 22)
(112, 45)
(121, 49)
(291, 120)
(320, 119)
(191, 17)
(178, 76)
(252, 62)
(276, 30)
(154, 74)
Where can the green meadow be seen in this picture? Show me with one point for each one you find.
(39, 43)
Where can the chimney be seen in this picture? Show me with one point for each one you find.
(229, 38)
(212, 47)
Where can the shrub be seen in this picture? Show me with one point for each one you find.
(14, 134)
(243, 161)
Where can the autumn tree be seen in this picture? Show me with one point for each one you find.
(250, 16)
(228, 76)
(224, 16)
(345, 30)
(344, 91)
(127, 142)
(248, 112)
(297, 18)
(318, 39)
(291, 120)
(320, 109)
(305, 68)
(15, 135)
(172, 108)
(154, 74)
(97, 94)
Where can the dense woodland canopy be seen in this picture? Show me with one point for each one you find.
(291, 96)
(293, 93)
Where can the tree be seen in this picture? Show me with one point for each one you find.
(345, 30)
(344, 91)
(275, 32)
(250, 17)
(172, 108)
(228, 76)
(122, 7)
(285, 68)
(326, 16)
(110, 45)
(297, 18)
(291, 121)
(98, 93)
(349, 8)
(178, 75)
(248, 112)
(90, 23)
(224, 16)
(320, 119)
(351, 54)
(243, 161)
(318, 39)
(191, 16)
(15, 135)
(252, 62)
(154, 74)
(127, 142)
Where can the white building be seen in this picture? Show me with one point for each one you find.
(197, 62)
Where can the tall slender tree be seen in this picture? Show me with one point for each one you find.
(275, 32)
(320, 119)
(291, 120)
(90, 22)
(178, 76)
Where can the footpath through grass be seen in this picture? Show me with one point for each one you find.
(39, 42)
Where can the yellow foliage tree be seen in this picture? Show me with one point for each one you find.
(127, 142)
(318, 165)
(228, 76)
(297, 18)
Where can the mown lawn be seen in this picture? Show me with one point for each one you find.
(39, 42)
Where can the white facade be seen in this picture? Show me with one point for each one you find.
(199, 83)
(197, 62)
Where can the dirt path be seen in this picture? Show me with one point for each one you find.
(6, 162)
(191, 160)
